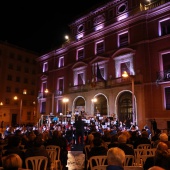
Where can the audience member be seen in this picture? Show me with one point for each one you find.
(115, 159)
(163, 137)
(156, 168)
(144, 139)
(161, 158)
(58, 140)
(98, 148)
(38, 149)
(12, 162)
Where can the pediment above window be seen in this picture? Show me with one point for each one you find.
(79, 64)
(99, 59)
(44, 76)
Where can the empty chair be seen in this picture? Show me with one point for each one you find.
(36, 163)
(55, 147)
(144, 146)
(106, 144)
(133, 168)
(55, 162)
(129, 160)
(130, 145)
(97, 161)
(100, 167)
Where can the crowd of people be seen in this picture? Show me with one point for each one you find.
(35, 141)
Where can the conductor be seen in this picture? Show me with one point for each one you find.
(79, 125)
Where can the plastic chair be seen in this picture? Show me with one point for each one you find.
(106, 144)
(87, 149)
(133, 168)
(130, 145)
(101, 167)
(129, 160)
(97, 161)
(144, 146)
(55, 147)
(36, 162)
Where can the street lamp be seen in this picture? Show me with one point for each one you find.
(20, 110)
(52, 102)
(65, 101)
(94, 100)
(125, 75)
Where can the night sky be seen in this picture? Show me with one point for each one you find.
(40, 27)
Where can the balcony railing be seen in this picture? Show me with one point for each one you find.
(103, 85)
(163, 76)
(45, 95)
(155, 4)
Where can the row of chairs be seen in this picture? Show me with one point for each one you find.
(36, 161)
(141, 154)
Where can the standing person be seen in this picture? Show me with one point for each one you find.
(2, 125)
(154, 125)
(79, 125)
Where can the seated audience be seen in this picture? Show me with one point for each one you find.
(38, 149)
(12, 162)
(163, 137)
(144, 139)
(161, 158)
(115, 159)
(98, 148)
(156, 168)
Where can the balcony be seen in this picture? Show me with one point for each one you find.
(163, 76)
(104, 85)
(45, 95)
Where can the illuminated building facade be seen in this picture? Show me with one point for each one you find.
(18, 77)
(121, 35)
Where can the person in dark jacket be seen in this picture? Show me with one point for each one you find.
(161, 158)
(98, 148)
(79, 125)
(38, 149)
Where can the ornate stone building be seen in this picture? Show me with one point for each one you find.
(119, 36)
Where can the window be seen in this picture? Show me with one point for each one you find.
(25, 80)
(16, 90)
(8, 89)
(10, 66)
(80, 54)
(19, 57)
(44, 86)
(99, 47)
(80, 79)
(43, 107)
(164, 73)
(59, 106)
(124, 62)
(17, 79)
(9, 77)
(27, 60)
(60, 86)
(7, 101)
(18, 68)
(123, 39)
(164, 27)
(61, 62)
(28, 115)
(167, 98)
(26, 70)
(45, 67)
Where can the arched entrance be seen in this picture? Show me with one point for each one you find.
(125, 111)
(80, 104)
(101, 105)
